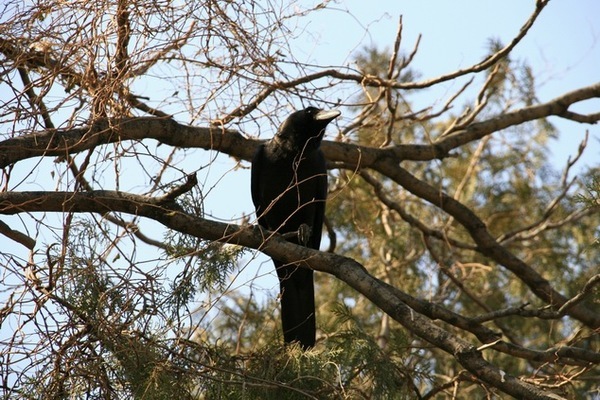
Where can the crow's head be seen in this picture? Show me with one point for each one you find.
(305, 128)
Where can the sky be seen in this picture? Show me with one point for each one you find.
(563, 49)
(563, 46)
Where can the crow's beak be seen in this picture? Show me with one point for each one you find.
(326, 115)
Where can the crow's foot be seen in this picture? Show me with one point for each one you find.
(304, 234)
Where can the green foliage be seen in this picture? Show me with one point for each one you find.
(111, 347)
(593, 191)
(84, 279)
(591, 197)
(349, 364)
(206, 266)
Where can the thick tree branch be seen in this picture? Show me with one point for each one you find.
(345, 269)
(557, 107)
(486, 244)
(59, 143)
(122, 64)
(167, 131)
(17, 236)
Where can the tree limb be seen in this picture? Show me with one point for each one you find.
(165, 130)
(17, 236)
(345, 269)
(486, 244)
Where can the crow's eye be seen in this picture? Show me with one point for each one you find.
(310, 111)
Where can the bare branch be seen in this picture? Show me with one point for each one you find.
(17, 236)
(413, 221)
(486, 244)
(589, 285)
(190, 182)
(60, 142)
(369, 80)
(347, 270)
(478, 130)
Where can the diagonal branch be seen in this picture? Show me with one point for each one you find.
(17, 236)
(557, 107)
(411, 219)
(345, 269)
(486, 244)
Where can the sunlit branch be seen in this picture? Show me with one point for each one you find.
(486, 244)
(167, 131)
(384, 296)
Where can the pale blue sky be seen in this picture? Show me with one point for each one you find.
(563, 46)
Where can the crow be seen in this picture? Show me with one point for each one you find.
(289, 187)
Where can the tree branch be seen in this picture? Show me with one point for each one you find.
(165, 130)
(557, 107)
(486, 244)
(376, 81)
(345, 269)
(17, 236)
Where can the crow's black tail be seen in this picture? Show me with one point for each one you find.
(297, 304)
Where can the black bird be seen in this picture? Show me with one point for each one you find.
(289, 187)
